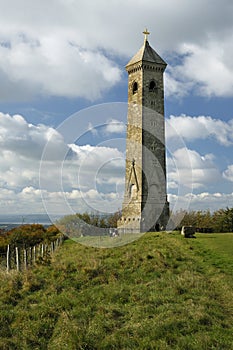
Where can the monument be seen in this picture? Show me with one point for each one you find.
(145, 206)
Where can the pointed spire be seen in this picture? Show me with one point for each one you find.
(146, 53)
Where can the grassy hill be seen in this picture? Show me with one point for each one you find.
(159, 292)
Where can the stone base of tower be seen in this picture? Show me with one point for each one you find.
(160, 220)
(131, 219)
(126, 226)
(152, 220)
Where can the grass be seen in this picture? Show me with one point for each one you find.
(159, 292)
(219, 243)
(107, 241)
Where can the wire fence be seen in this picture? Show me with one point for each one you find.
(21, 258)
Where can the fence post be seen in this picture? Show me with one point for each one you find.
(17, 257)
(34, 254)
(25, 258)
(30, 256)
(42, 250)
(8, 258)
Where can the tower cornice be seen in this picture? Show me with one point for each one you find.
(145, 65)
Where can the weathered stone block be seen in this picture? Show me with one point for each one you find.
(188, 231)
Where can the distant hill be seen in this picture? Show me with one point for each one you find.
(160, 292)
(9, 221)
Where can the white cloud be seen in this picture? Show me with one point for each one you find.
(21, 148)
(228, 173)
(115, 127)
(69, 48)
(201, 127)
(27, 140)
(67, 172)
(206, 69)
(92, 157)
(54, 66)
(92, 129)
(202, 201)
(174, 86)
(99, 169)
(189, 168)
(88, 176)
(111, 126)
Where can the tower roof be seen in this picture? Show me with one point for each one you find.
(146, 53)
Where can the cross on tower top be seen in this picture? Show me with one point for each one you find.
(146, 33)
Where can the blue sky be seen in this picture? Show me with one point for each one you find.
(63, 82)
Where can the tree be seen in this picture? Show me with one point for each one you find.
(51, 233)
(27, 235)
(112, 220)
(229, 219)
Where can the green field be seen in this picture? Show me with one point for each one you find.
(161, 291)
(107, 241)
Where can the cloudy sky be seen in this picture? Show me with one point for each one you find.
(63, 101)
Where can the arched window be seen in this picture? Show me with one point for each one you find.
(135, 87)
(152, 86)
(133, 191)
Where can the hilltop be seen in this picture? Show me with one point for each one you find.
(159, 292)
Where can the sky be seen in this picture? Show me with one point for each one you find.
(63, 101)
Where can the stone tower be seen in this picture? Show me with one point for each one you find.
(145, 206)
